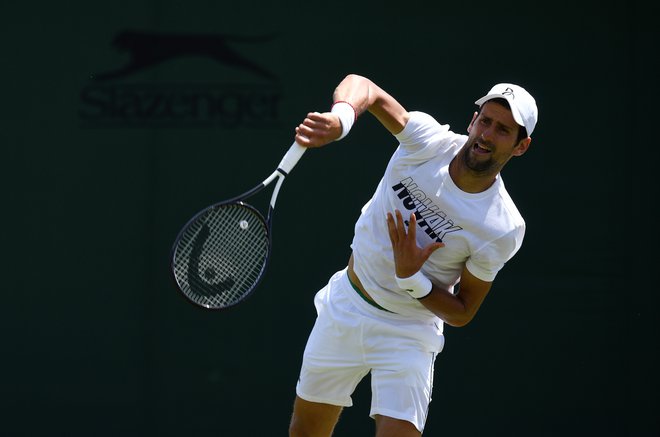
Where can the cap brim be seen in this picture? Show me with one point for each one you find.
(514, 110)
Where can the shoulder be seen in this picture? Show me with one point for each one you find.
(419, 123)
(423, 131)
(508, 209)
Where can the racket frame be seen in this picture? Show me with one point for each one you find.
(287, 163)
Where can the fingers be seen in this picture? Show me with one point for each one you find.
(412, 229)
(400, 226)
(391, 229)
(317, 130)
(408, 256)
(399, 233)
(412, 234)
(305, 132)
(396, 228)
(428, 250)
(315, 121)
(303, 138)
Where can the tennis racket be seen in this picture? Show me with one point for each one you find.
(221, 254)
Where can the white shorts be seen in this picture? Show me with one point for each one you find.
(352, 338)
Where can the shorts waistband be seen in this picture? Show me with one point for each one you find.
(369, 301)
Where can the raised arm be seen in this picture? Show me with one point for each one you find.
(455, 309)
(319, 129)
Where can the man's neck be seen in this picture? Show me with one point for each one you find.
(468, 180)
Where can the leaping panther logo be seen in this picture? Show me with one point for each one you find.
(148, 49)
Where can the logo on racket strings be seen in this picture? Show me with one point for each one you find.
(205, 278)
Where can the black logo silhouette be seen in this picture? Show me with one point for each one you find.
(206, 281)
(149, 49)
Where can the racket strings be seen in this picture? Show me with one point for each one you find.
(244, 265)
(221, 257)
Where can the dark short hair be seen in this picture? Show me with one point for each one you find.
(522, 131)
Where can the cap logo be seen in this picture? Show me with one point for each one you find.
(508, 92)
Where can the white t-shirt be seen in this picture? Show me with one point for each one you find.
(481, 231)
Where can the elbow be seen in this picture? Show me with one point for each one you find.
(353, 76)
(452, 309)
(459, 320)
(457, 323)
(358, 82)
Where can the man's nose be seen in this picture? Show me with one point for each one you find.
(487, 134)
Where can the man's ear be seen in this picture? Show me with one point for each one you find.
(522, 147)
(474, 117)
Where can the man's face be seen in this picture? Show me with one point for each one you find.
(493, 139)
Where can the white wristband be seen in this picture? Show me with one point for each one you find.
(417, 285)
(347, 116)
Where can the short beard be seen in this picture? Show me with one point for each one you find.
(473, 164)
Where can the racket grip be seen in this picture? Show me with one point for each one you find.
(291, 157)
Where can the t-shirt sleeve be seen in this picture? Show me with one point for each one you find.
(424, 136)
(489, 260)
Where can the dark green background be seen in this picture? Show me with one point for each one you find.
(95, 339)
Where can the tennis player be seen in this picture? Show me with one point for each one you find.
(440, 216)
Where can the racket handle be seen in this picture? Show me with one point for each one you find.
(291, 157)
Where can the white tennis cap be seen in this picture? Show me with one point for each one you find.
(523, 105)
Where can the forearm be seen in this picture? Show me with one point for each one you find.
(364, 95)
(356, 90)
(448, 306)
(458, 309)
